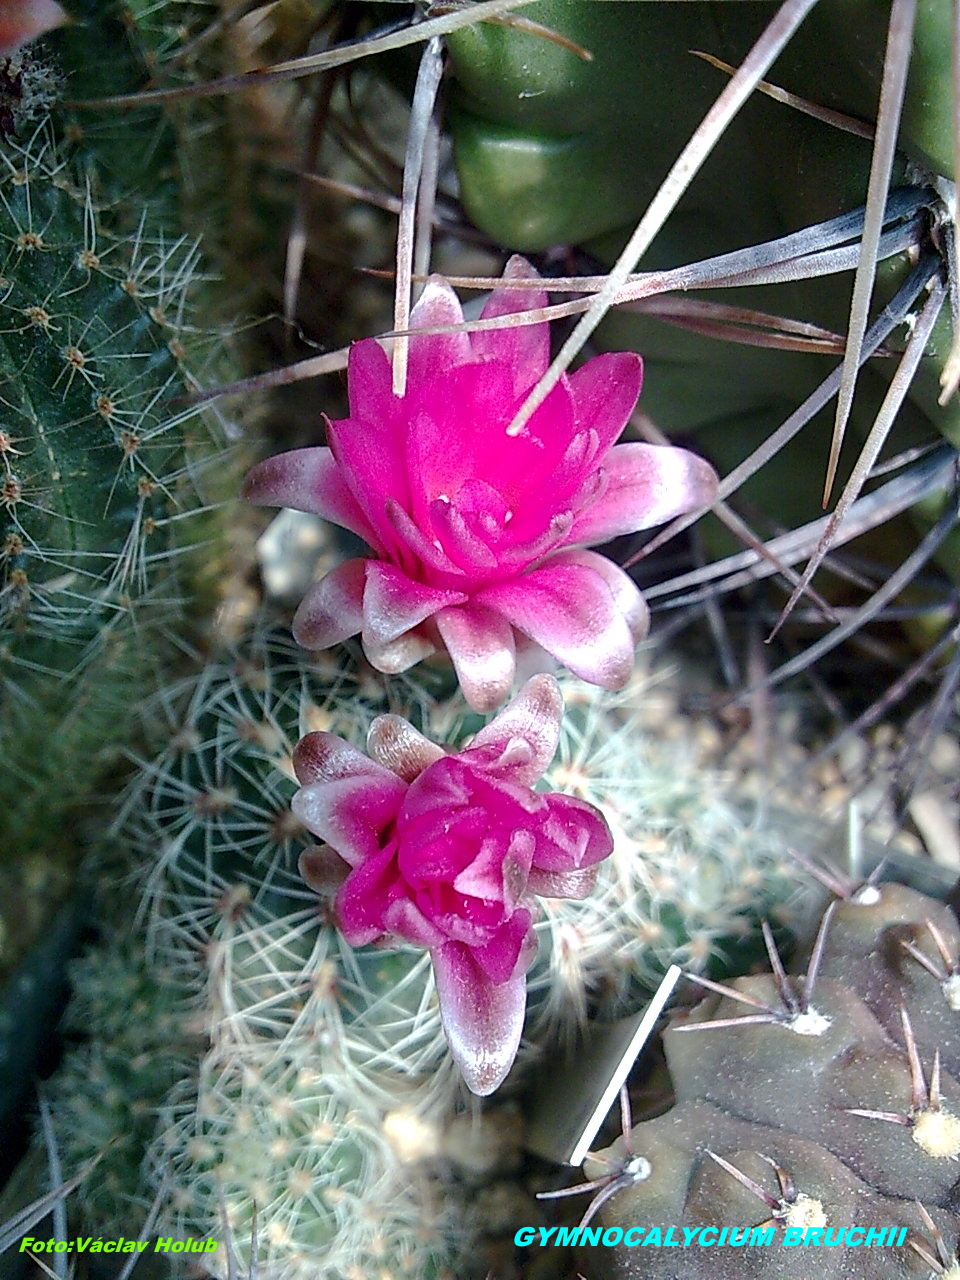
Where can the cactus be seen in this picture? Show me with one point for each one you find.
(694, 867)
(551, 147)
(263, 1136)
(300, 1033)
(210, 166)
(272, 1050)
(32, 999)
(268, 1143)
(107, 1090)
(102, 54)
(208, 817)
(105, 502)
(101, 467)
(812, 1100)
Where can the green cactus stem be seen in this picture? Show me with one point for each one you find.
(101, 470)
(797, 1108)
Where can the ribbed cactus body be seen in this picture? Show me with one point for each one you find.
(307, 1043)
(275, 1148)
(92, 446)
(136, 1038)
(209, 815)
(703, 1196)
(103, 54)
(898, 948)
(834, 1093)
(101, 465)
(271, 1126)
(694, 866)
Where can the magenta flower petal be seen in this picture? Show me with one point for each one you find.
(370, 899)
(365, 897)
(480, 642)
(372, 406)
(438, 305)
(482, 1020)
(573, 836)
(528, 551)
(647, 484)
(368, 446)
(347, 799)
(498, 875)
(513, 466)
(568, 609)
(308, 480)
(465, 518)
(414, 542)
(448, 851)
(526, 348)
(467, 540)
(405, 919)
(332, 610)
(499, 958)
(605, 391)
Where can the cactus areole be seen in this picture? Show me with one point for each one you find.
(477, 532)
(448, 852)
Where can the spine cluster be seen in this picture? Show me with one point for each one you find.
(242, 1086)
(809, 1102)
(102, 487)
(236, 1069)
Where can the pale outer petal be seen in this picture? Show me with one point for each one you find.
(563, 884)
(326, 757)
(332, 610)
(481, 645)
(400, 654)
(24, 20)
(308, 480)
(345, 797)
(626, 593)
(567, 607)
(534, 718)
(394, 604)
(483, 1021)
(396, 744)
(323, 869)
(647, 484)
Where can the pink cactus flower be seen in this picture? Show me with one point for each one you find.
(478, 534)
(447, 852)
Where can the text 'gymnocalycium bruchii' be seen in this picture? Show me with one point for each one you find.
(478, 535)
(448, 852)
